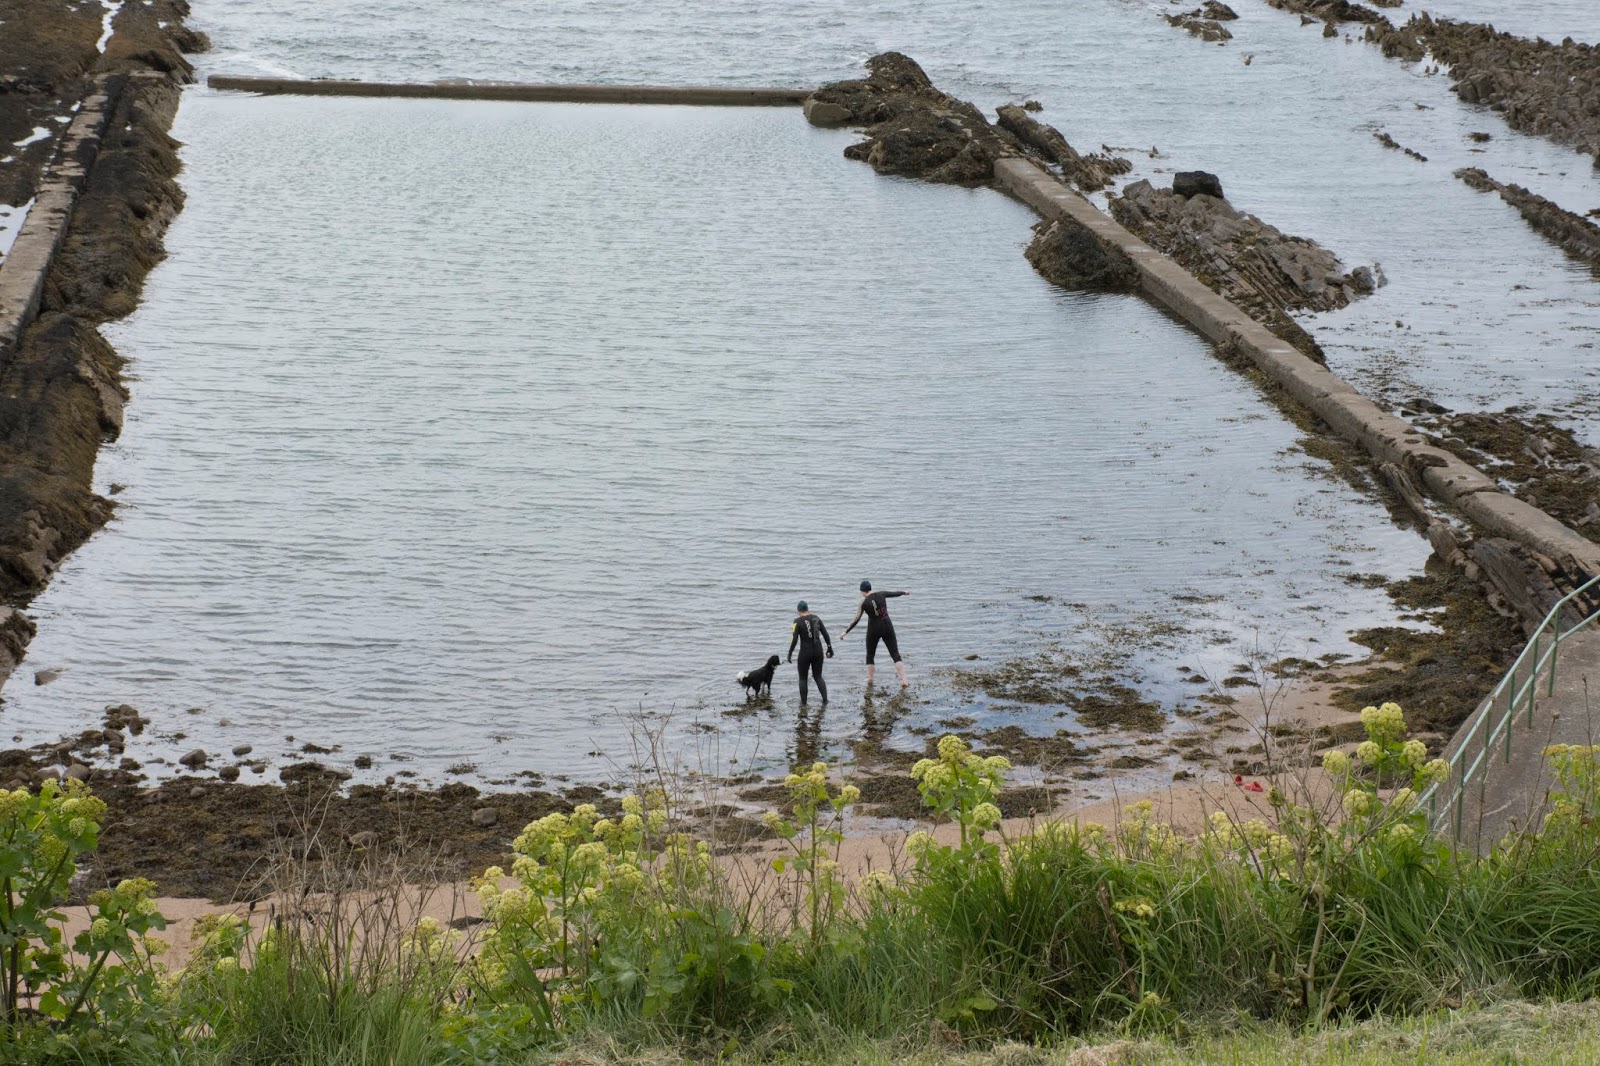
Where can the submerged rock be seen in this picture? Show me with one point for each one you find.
(1576, 235)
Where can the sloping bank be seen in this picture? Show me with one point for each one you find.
(1521, 554)
(102, 193)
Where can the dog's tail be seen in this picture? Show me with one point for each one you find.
(742, 675)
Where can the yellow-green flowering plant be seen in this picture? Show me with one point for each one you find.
(813, 831)
(111, 965)
(961, 787)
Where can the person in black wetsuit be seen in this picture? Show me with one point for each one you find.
(810, 634)
(879, 628)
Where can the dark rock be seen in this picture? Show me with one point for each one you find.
(363, 762)
(1576, 235)
(122, 716)
(1087, 172)
(78, 772)
(1201, 25)
(826, 113)
(195, 759)
(128, 765)
(241, 750)
(1068, 254)
(44, 677)
(913, 129)
(1196, 183)
(484, 817)
(229, 773)
(312, 773)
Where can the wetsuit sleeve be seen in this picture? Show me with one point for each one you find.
(862, 606)
(794, 638)
(892, 595)
(825, 638)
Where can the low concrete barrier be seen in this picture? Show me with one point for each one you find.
(1385, 436)
(23, 272)
(702, 96)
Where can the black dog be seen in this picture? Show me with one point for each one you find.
(758, 682)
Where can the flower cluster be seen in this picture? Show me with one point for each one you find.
(962, 787)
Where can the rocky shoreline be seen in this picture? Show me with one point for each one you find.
(61, 392)
(1576, 235)
(201, 835)
(1480, 586)
(1548, 89)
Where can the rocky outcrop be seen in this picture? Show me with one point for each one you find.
(1069, 255)
(1390, 143)
(1089, 173)
(1331, 11)
(1205, 21)
(1576, 235)
(912, 128)
(1256, 266)
(1551, 90)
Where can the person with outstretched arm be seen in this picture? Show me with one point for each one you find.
(879, 628)
(811, 635)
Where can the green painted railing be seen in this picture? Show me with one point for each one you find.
(1517, 693)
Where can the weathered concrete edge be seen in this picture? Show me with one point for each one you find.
(704, 96)
(1385, 436)
(23, 273)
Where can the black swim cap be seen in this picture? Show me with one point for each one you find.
(866, 586)
(801, 606)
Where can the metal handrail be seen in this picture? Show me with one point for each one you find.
(1530, 667)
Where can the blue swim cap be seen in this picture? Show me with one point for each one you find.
(866, 586)
(801, 606)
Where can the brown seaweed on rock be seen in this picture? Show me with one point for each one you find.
(1576, 235)
(912, 128)
(1261, 269)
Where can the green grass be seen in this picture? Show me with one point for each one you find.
(628, 944)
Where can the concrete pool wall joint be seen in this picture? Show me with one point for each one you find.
(1387, 437)
(694, 95)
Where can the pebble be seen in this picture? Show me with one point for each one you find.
(241, 750)
(229, 773)
(485, 817)
(195, 759)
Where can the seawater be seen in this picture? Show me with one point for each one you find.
(463, 431)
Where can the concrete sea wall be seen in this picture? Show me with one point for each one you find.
(1385, 436)
(22, 274)
(702, 96)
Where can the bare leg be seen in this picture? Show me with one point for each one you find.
(900, 668)
(869, 675)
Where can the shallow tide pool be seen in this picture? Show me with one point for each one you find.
(462, 430)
